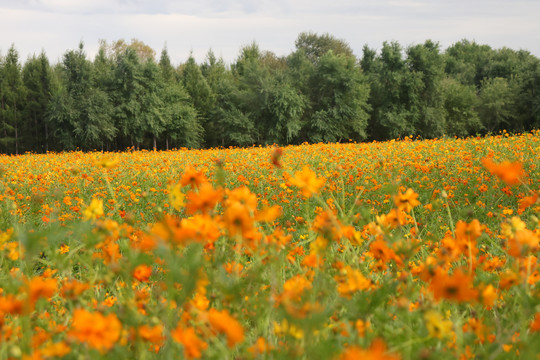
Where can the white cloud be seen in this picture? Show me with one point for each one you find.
(225, 25)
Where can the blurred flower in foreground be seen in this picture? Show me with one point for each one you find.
(510, 173)
(307, 181)
(437, 326)
(98, 331)
(94, 210)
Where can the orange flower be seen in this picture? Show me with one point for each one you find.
(41, 287)
(407, 201)
(192, 177)
(204, 200)
(193, 346)
(243, 196)
(350, 281)
(153, 334)
(238, 219)
(71, 289)
(488, 296)
(377, 351)
(457, 286)
(526, 202)
(468, 232)
(93, 328)
(199, 228)
(510, 173)
(224, 323)
(307, 181)
(260, 347)
(142, 273)
(535, 324)
(10, 305)
(58, 349)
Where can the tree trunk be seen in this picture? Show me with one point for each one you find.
(46, 138)
(155, 146)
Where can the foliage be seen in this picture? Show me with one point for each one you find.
(320, 92)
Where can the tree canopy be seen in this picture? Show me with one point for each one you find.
(321, 92)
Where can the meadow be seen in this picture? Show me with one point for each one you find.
(409, 249)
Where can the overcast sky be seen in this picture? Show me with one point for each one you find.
(226, 25)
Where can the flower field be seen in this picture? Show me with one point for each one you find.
(394, 250)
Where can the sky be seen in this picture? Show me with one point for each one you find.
(225, 26)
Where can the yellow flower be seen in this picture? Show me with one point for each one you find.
(64, 249)
(285, 328)
(406, 201)
(107, 162)
(437, 326)
(94, 210)
(176, 196)
(307, 181)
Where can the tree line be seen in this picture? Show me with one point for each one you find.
(321, 92)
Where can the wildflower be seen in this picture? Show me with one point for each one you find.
(41, 287)
(193, 346)
(377, 351)
(526, 202)
(508, 278)
(307, 181)
(361, 326)
(224, 323)
(350, 281)
(9, 304)
(488, 296)
(94, 210)
(243, 196)
(73, 288)
(142, 273)
(54, 350)
(192, 177)
(260, 347)
(153, 334)
(437, 326)
(204, 200)
(407, 201)
(510, 173)
(176, 197)
(64, 249)
(93, 328)
(457, 286)
(238, 219)
(284, 328)
(107, 162)
(535, 324)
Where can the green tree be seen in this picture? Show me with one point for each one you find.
(393, 89)
(80, 112)
(167, 70)
(37, 78)
(127, 98)
(468, 62)
(314, 46)
(426, 106)
(460, 103)
(12, 96)
(199, 90)
(497, 103)
(181, 120)
(339, 95)
(152, 106)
